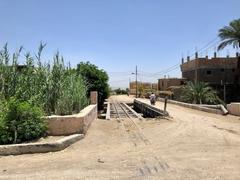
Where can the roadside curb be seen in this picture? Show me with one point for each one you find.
(30, 148)
(196, 107)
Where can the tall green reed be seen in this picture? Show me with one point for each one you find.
(54, 87)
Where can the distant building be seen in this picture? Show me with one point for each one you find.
(165, 83)
(155, 86)
(143, 87)
(217, 71)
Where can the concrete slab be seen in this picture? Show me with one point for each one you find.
(234, 108)
(30, 148)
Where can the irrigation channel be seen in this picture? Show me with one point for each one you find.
(128, 118)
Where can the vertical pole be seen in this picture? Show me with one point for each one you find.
(196, 59)
(225, 81)
(224, 92)
(196, 73)
(165, 103)
(136, 83)
(94, 97)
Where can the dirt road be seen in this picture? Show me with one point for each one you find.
(193, 145)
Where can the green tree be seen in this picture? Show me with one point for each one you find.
(121, 91)
(96, 79)
(230, 35)
(199, 93)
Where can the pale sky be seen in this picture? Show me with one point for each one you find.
(118, 35)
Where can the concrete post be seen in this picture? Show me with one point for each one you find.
(94, 97)
(165, 104)
(215, 55)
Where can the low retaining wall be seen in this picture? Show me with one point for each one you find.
(29, 148)
(147, 109)
(194, 106)
(234, 108)
(72, 124)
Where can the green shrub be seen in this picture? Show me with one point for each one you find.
(53, 86)
(199, 93)
(20, 121)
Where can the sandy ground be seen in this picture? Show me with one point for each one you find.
(192, 145)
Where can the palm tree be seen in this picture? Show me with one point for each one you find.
(230, 35)
(199, 93)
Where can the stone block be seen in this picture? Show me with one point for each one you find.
(94, 97)
(234, 108)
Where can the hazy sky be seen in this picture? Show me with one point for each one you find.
(117, 35)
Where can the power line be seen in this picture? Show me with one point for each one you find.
(176, 66)
(206, 47)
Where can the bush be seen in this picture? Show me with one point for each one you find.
(20, 121)
(53, 86)
(96, 79)
(199, 93)
(121, 91)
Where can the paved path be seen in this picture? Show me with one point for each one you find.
(193, 145)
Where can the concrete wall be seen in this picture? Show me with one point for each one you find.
(94, 97)
(234, 108)
(148, 110)
(71, 124)
(194, 106)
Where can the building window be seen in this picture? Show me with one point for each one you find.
(209, 72)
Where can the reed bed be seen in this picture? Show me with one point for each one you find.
(55, 86)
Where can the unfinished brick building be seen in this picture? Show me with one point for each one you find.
(218, 72)
(146, 87)
(165, 83)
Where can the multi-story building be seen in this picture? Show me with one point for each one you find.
(222, 73)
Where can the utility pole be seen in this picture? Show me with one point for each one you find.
(136, 83)
(224, 92)
(196, 59)
(224, 85)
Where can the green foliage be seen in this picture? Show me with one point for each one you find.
(230, 35)
(54, 87)
(121, 91)
(20, 121)
(27, 90)
(199, 93)
(97, 80)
